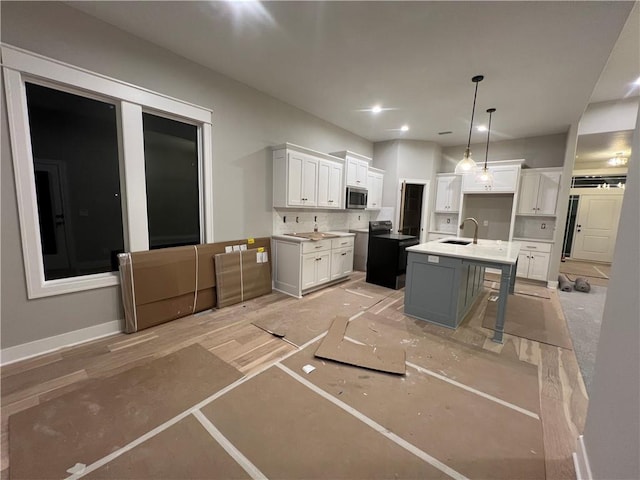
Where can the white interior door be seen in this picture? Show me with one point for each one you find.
(596, 227)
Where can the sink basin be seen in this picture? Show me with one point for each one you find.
(456, 242)
(313, 235)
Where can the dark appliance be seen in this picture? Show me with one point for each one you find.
(387, 255)
(356, 197)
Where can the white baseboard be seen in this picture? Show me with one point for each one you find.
(581, 461)
(46, 345)
(553, 285)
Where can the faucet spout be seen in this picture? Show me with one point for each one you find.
(475, 231)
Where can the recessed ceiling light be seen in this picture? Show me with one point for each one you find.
(376, 109)
(404, 128)
(482, 128)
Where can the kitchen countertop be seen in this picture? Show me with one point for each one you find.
(486, 250)
(290, 238)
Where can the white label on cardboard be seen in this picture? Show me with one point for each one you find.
(308, 368)
(433, 259)
(258, 257)
(236, 248)
(228, 249)
(243, 247)
(265, 257)
(493, 298)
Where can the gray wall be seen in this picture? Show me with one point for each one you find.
(245, 123)
(538, 152)
(612, 431)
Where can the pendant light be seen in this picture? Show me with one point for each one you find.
(467, 164)
(485, 175)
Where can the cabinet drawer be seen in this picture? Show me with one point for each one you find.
(535, 247)
(342, 242)
(316, 246)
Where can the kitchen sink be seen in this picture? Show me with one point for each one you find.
(313, 235)
(457, 242)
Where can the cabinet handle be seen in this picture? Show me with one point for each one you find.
(330, 201)
(343, 254)
(318, 246)
(532, 247)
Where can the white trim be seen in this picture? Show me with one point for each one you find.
(552, 284)
(581, 461)
(207, 173)
(47, 68)
(134, 176)
(50, 344)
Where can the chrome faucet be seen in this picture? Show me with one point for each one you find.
(475, 232)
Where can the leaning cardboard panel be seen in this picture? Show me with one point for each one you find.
(242, 275)
(157, 286)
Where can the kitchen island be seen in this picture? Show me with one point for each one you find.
(445, 277)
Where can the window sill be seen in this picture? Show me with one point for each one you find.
(71, 285)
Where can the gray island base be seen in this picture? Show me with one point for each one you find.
(444, 280)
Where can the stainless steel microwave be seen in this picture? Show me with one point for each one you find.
(356, 197)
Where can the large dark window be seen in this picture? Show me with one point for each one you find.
(173, 194)
(74, 140)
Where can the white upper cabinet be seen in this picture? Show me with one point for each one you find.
(305, 178)
(448, 193)
(505, 180)
(357, 167)
(538, 192)
(375, 181)
(330, 191)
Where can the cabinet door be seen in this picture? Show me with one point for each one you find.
(505, 179)
(362, 168)
(309, 263)
(324, 173)
(323, 267)
(528, 198)
(336, 192)
(523, 264)
(341, 262)
(443, 185)
(538, 265)
(374, 187)
(548, 193)
(310, 182)
(295, 169)
(352, 172)
(454, 193)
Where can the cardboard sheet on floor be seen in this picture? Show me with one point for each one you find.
(509, 379)
(313, 315)
(334, 347)
(531, 318)
(475, 436)
(290, 432)
(241, 276)
(184, 450)
(104, 415)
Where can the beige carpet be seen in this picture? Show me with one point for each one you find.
(531, 318)
(87, 424)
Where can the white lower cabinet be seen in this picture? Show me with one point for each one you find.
(302, 266)
(533, 260)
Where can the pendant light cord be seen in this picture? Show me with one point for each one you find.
(491, 110)
(473, 110)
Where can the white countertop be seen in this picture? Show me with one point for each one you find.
(290, 238)
(488, 250)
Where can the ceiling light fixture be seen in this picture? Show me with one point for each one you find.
(485, 175)
(467, 164)
(376, 109)
(481, 128)
(404, 128)
(618, 160)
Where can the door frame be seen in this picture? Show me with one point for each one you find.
(425, 204)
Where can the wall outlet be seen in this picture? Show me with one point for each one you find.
(543, 226)
(485, 223)
(448, 220)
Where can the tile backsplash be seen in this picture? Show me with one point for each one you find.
(535, 228)
(287, 220)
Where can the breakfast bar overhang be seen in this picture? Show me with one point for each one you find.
(444, 279)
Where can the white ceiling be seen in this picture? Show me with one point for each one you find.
(541, 60)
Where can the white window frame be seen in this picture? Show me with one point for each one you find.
(20, 66)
